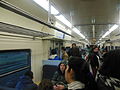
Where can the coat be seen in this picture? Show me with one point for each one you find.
(26, 83)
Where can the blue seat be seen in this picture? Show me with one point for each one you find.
(48, 71)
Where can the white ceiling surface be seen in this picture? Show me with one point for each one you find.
(81, 13)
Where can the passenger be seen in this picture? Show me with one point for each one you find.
(78, 75)
(74, 51)
(58, 79)
(54, 55)
(93, 58)
(104, 52)
(109, 78)
(26, 83)
(45, 85)
(64, 54)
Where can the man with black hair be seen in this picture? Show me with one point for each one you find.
(78, 75)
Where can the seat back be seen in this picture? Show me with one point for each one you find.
(48, 71)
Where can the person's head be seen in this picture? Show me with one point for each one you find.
(63, 49)
(73, 45)
(111, 64)
(77, 70)
(95, 49)
(61, 67)
(53, 51)
(45, 84)
(29, 74)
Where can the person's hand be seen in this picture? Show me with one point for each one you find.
(58, 87)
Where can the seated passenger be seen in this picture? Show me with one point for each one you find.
(45, 85)
(78, 75)
(26, 83)
(58, 79)
(54, 55)
(109, 78)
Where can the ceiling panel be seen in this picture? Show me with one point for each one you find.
(82, 12)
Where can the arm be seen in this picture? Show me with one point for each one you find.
(54, 79)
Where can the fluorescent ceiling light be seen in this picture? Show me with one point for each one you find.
(54, 11)
(107, 33)
(78, 32)
(43, 3)
(64, 20)
(82, 35)
(114, 27)
(86, 39)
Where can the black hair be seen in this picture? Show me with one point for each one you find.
(63, 48)
(29, 73)
(111, 64)
(73, 44)
(80, 68)
(82, 72)
(59, 71)
(45, 85)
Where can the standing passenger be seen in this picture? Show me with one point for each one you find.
(74, 51)
(64, 54)
(93, 58)
(109, 78)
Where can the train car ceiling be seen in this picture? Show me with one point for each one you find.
(94, 21)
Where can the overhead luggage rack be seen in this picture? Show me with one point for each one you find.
(4, 27)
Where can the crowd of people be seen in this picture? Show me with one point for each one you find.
(88, 69)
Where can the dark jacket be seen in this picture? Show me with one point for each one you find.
(59, 79)
(74, 52)
(93, 60)
(26, 83)
(108, 83)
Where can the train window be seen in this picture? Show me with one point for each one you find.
(14, 62)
